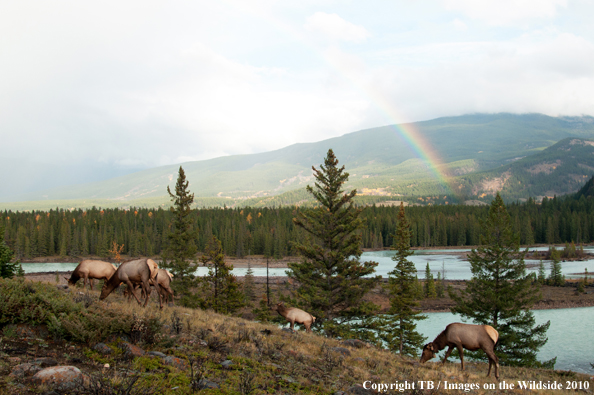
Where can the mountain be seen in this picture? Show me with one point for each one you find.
(380, 162)
(558, 170)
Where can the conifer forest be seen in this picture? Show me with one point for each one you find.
(268, 231)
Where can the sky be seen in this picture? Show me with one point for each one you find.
(138, 84)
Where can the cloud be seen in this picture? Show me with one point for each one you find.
(334, 28)
(503, 12)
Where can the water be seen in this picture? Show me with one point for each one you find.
(569, 336)
(456, 268)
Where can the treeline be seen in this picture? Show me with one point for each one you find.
(268, 231)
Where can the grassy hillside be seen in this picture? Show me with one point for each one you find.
(379, 160)
(259, 358)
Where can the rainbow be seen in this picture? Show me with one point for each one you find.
(418, 144)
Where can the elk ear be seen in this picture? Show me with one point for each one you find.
(430, 347)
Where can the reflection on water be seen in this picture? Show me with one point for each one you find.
(569, 335)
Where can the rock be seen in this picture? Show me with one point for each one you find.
(131, 351)
(62, 287)
(156, 354)
(227, 364)
(176, 362)
(102, 348)
(24, 370)
(60, 378)
(356, 343)
(357, 390)
(14, 360)
(288, 330)
(207, 384)
(341, 350)
(359, 359)
(45, 362)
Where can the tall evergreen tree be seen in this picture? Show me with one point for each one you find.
(429, 290)
(331, 280)
(398, 328)
(500, 293)
(181, 249)
(220, 290)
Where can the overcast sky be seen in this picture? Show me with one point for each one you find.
(148, 83)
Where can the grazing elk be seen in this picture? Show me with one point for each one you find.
(468, 336)
(90, 269)
(132, 272)
(163, 278)
(295, 315)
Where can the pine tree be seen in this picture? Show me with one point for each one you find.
(330, 279)
(181, 249)
(556, 279)
(220, 288)
(500, 293)
(541, 273)
(429, 290)
(397, 328)
(7, 269)
(248, 285)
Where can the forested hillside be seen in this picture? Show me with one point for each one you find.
(269, 231)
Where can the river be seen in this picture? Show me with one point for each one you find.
(453, 266)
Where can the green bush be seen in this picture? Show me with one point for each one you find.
(38, 303)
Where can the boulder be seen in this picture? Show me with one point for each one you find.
(60, 378)
(131, 351)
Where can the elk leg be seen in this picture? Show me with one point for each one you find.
(493, 360)
(147, 290)
(292, 325)
(131, 288)
(450, 348)
(461, 355)
(91, 283)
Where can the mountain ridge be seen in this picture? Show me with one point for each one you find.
(377, 159)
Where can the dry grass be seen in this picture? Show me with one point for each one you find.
(266, 359)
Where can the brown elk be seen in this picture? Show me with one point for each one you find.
(468, 336)
(163, 278)
(90, 269)
(132, 272)
(295, 315)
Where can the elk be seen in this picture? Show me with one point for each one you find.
(132, 272)
(163, 278)
(468, 336)
(90, 269)
(295, 315)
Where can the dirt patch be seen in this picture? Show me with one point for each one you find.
(546, 168)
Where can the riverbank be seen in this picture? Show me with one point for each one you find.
(551, 297)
